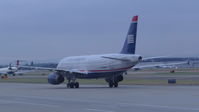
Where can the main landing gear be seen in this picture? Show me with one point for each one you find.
(113, 84)
(72, 84)
(113, 81)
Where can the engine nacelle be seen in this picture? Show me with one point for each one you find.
(55, 79)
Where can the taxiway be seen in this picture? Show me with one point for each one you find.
(19, 97)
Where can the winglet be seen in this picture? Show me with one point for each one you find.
(17, 63)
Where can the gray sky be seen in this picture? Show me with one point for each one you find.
(53, 29)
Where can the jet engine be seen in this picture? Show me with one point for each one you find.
(55, 79)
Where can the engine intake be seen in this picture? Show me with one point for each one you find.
(55, 79)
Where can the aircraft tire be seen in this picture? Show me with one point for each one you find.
(68, 85)
(72, 85)
(110, 84)
(76, 85)
(116, 84)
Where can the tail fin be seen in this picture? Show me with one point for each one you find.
(10, 66)
(17, 64)
(130, 42)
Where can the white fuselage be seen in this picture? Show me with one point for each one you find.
(97, 63)
(7, 70)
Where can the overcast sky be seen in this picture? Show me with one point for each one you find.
(53, 29)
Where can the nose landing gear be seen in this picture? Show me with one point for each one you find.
(113, 84)
(113, 81)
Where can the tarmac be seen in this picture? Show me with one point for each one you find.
(137, 76)
(19, 97)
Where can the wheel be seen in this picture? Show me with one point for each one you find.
(110, 84)
(77, 85)
(72, 85)
(68, 85)
(116, 84)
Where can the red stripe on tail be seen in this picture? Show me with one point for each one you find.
(135, 19)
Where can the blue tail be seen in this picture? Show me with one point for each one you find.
(130, 42)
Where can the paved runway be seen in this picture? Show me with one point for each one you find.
(16, 97)
(143, 77)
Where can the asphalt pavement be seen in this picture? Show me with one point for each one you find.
(19, 97)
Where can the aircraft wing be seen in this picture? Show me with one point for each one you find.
(156, 57)
(32, 69)
(36, 68)
(17, 72)
(143, 59)
(23, 71)
(137, 67)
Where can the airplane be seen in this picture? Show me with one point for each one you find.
(110, 67)
(15, 70)
(10, 70)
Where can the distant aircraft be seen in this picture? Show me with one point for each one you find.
(14, 70)
(10, 70)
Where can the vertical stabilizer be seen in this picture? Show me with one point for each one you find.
(130, 42)
(17, 64)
